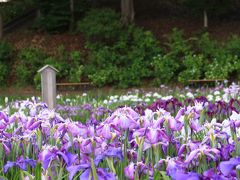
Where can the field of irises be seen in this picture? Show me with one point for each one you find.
(139, 135)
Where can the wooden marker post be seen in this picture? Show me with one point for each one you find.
(48, 84)
(1, 26)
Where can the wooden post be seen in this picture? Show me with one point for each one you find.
(205, 19)
(1, 26)
(48, 83)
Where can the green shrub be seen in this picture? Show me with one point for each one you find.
(177, 45)
(206, 46)
(4, 69)
(6, 54)
(6, 51)
(222, 66)
(77, 69)
(29, 61)
(69, 65)
(165, 68)
(118, 55)
(194, 68)
(233, 46)
(101, 25)
(127, 62)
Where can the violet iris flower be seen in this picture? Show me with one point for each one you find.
(111, 152)
(129, 171)
(152, 136)
(186, 176)
(235, 118)
(107, 130)
(227, 166)
(3, 120)
(75, 129)
(203, 150)
(213, 174)
(124, 118)
(174, 166)
(101, 173)
(50, 154)
(21, 163)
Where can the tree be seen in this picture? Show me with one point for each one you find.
(71, 25)
(1, 19)
(127, 11)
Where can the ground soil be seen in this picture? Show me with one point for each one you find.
(160, 25)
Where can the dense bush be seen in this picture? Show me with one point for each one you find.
(101, 25)
(165, 68)
(193, 68)
(222, 66)
(168, 66)
(31, 59)
(233, 46)
(197, 58)
(118, 55)
(5, 61)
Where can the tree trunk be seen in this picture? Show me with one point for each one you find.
(38, 13)
(71, 27)
(1, 26)
(205, 19)
(127, 11)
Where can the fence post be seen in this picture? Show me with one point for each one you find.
(48, 85)
(1, 26)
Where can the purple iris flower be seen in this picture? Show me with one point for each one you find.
(152, 136)
(173, 166)
(213, 175)
(235, 118)
(186, 176)
(101, 173)
(3, 125)
(50, 154)
(111, 152)
(203, 150)
(195, 125)
(227, 166)
(3, 116)
(91, 145)
(7, 147)
(33, 123)
(106, 130)
(129, 171)
(226, 151)
(21, 163)
(174, 124)
(75, 129)
(124, 118)
(75, 168)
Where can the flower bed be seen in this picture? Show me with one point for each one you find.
(170, 138)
